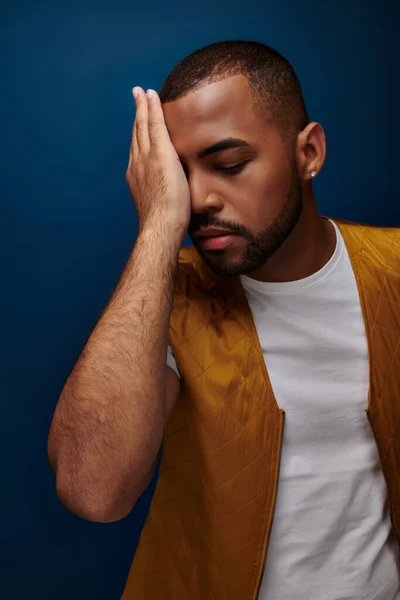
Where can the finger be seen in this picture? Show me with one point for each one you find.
(157, 128)
(133, 150)
(141, 121)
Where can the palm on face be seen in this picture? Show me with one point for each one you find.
(154, 174)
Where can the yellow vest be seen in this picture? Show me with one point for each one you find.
(207, 531)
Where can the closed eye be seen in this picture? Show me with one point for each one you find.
(234, 169)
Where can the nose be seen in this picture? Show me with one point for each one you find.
(204, 199)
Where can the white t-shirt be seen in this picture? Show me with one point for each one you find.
(331, 537)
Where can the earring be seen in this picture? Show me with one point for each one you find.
(313, 174)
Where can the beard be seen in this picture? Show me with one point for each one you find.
(261, 246)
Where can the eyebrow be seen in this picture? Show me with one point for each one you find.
(223, 144)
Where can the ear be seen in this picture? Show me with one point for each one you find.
(310, 150)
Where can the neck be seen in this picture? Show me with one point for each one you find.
(307, 249)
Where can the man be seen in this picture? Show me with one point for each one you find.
(283, 356)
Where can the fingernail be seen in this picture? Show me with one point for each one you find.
(150, 93)
(135, 92)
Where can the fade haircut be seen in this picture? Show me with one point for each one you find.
(276, 92)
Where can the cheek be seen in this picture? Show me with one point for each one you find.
(262, 192)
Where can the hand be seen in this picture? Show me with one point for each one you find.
(155, 175)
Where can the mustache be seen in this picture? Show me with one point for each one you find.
(201, 221)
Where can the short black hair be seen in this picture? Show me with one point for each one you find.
(275, 88)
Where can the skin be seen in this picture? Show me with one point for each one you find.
(270, 202)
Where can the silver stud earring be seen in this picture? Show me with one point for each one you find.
(313, 174)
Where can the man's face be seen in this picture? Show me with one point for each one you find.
(261, 202)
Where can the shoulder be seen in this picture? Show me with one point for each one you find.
(364, 235)
(373, 248)
(367, 227)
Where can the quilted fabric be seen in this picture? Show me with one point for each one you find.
(207, 531)
(375, 255)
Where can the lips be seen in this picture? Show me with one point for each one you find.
(217, 242)
(212, 232)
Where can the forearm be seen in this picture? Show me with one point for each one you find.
(110, 418)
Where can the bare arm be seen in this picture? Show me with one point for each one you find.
(110, 418)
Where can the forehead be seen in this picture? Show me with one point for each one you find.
(215, 111)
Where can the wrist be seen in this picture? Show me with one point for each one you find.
(163, 232)
(161, 240)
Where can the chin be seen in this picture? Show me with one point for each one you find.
(223, 263)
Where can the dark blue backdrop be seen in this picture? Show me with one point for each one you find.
(68, 222)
